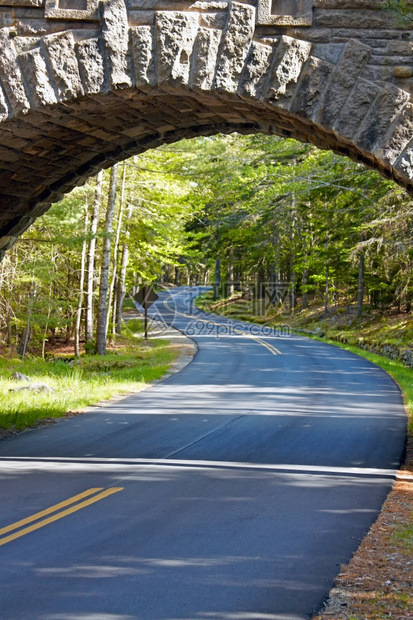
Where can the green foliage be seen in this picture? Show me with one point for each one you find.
(403, 8)
(267, 208)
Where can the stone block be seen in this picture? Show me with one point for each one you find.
(398, 137)
(356, 19)
(352, 62)
(41, 89)
(213, 20)
(255, 74)
(10, 74)
(141, 18)
(204, 58)
(404, 163)
(176, 32)
(403, 73)
(356, 108)
(384, 111)
(14, 3)
(74, 10)
(278, 14)
(60, 51)
(286, 68)
(330, 52)
(4, 109)
(115, 36)
(91, 65)
(313, 82)
(144, 56)
(235, 46)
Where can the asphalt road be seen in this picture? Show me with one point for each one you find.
(233, 490)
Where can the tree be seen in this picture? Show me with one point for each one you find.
(94, 220)
(104, 272)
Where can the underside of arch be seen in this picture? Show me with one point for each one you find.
(72, 104)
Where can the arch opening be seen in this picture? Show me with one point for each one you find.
(85, 88)
(95, 133)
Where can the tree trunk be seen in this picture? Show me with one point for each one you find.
(305, 282)
(231, 287)
(115, 256)
(81, 285)
(121, 285)
(104, 274)
(217, 278)
(360, 285)
(326, 289)
(275, 267)
(24, 341)
(292, 278)
(49, 311)
(91, 258)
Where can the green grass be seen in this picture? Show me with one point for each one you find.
(78, 383)
(404, 535)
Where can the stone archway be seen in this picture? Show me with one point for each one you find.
(85, 85)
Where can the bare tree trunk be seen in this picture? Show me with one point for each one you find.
(217, 278)
(274, 269)
(91, 258)
(360, 285)
(46, 327)
(304, 285)
(104, 274)
(81, 284)
(292, 277)
(115, 255)
(231, 287)
(24, 341)
(121, 285)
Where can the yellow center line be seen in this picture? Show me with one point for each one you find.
(44, 513)
(267, 345)
(56, 517)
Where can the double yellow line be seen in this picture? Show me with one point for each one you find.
(75, 504)
(260, 341)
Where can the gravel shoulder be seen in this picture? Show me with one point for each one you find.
(378, 581)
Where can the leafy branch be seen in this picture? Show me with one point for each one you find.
(403, 8)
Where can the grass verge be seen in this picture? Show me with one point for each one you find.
(77, 383)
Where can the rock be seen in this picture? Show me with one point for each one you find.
(18, 376)
(34, 387)
(403, 73)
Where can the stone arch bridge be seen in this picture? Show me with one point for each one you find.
(84, 84)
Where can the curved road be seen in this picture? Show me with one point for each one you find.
(233, 490)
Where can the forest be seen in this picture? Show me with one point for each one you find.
(231, 211)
